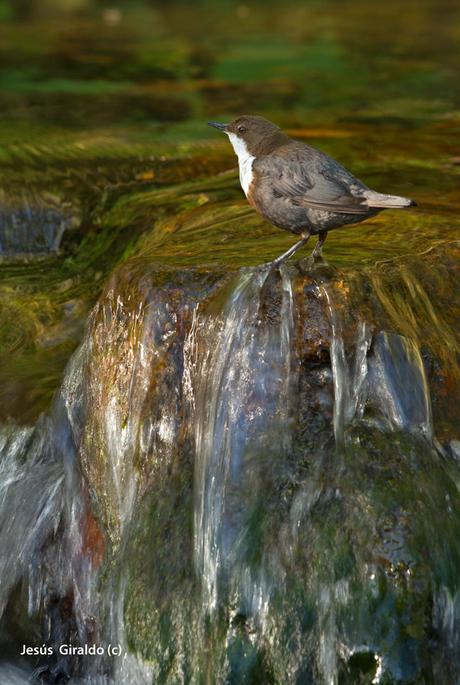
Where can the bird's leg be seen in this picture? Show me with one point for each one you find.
(319, 245)
(304, 238)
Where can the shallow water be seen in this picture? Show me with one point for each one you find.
(267, 464)
(104, 115)
(240, 480)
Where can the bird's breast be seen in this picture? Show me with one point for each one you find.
(246, 174)
(245, 160)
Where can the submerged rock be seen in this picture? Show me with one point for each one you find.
(256, 487)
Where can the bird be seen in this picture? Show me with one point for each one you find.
(297, 187)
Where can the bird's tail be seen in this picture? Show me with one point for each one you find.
(381, 201)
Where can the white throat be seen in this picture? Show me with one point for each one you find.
(245, 161)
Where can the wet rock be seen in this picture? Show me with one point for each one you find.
(34, 225)
(265, 486)
(133, 392)
(304, 546)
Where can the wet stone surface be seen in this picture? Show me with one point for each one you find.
(240, 477)
(248, 490)
(34, 225)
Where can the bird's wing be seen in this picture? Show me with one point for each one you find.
(309, 178)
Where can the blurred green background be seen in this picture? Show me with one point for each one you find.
(147, 63)
(104, 143)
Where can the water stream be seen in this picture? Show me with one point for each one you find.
(239, 477)
(389, 378)
(308, 469)
(241, 392)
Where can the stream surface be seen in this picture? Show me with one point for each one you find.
(236, 475)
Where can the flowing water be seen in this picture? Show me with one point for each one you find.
(392, 382)
(241, 391)
(314, 485)
(234, 475)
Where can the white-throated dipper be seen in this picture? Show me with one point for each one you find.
(298, 188)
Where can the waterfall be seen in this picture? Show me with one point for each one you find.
(48, 535)
(43, 535)
(349, 375)
(240, 366)
(30, 505)
(239, 482)
(398, 386)
(381, 379)
(241, 379)
(33, 223)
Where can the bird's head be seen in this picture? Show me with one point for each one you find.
(253, 135)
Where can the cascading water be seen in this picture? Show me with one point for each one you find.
(49, 536)
(389, 378)
(379, 382)
(42, 511)
(241, 392)
(349, 377)
(33, 223)
(380, 388)
(238, 482)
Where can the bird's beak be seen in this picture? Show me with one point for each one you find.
(221, 127)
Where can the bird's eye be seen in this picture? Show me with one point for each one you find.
(241, 129)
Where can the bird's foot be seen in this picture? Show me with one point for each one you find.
(273, 264)
(317, 252)
(292, 250)
(318, 249)
(310, 262)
